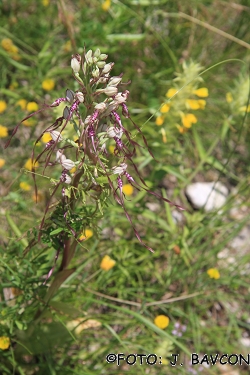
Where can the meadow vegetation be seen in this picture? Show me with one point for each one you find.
(187, 65)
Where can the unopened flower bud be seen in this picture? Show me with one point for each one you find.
(103, 56)
(102, 80)
(101, 64)
(107, 68)
(114, 81)
(88, 57)
(76, 63)
(56, 136)
(110, 90)
(101, 107)
(87, 120)
(97, 53)
(67, 164)
(96, 72)
(79, 95)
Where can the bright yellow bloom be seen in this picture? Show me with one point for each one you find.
(28, 165)
(202, 92)
(32, 107)
(46, 137)
(165, 108)
(127, 189)
(45, 3)
(4, 342)
(111, 149)
(202, 103)
(196, 104)
(107, 263)
(48, 84)
(193, 103)
(22, 103)
(3, 106)
(188, 119)
(2, 162)
(106, 5)
(229, 97)
(159, 120)
(86, 235)
(28, 122)
(171, 92)
(25, 186)
(245, 108)
(3, 131)
(213, 273)
(161, 321)
(6, 43)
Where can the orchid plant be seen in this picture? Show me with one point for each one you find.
(92, 124)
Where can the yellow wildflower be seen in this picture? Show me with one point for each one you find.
(171, 92)
(25, 186)
(107, 263)
(111, 149)
(229, 97)
(202, 103)
(127, 189)
(86, 235)
(6, 43)
(165, 108)
(45, 3)
(106, 5)
(3, 106)
(4, 342)
(22, 103)
(46, 137)
(245, 108)
(161, 321)
(213, 273)
(48, 84)
(188, 119)
(2, 162)
(202, 92)
(3, 131)
(159, 120)
(28, 164)
(196, 104)
(32, 107)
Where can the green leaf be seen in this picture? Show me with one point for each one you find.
(56, 231)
